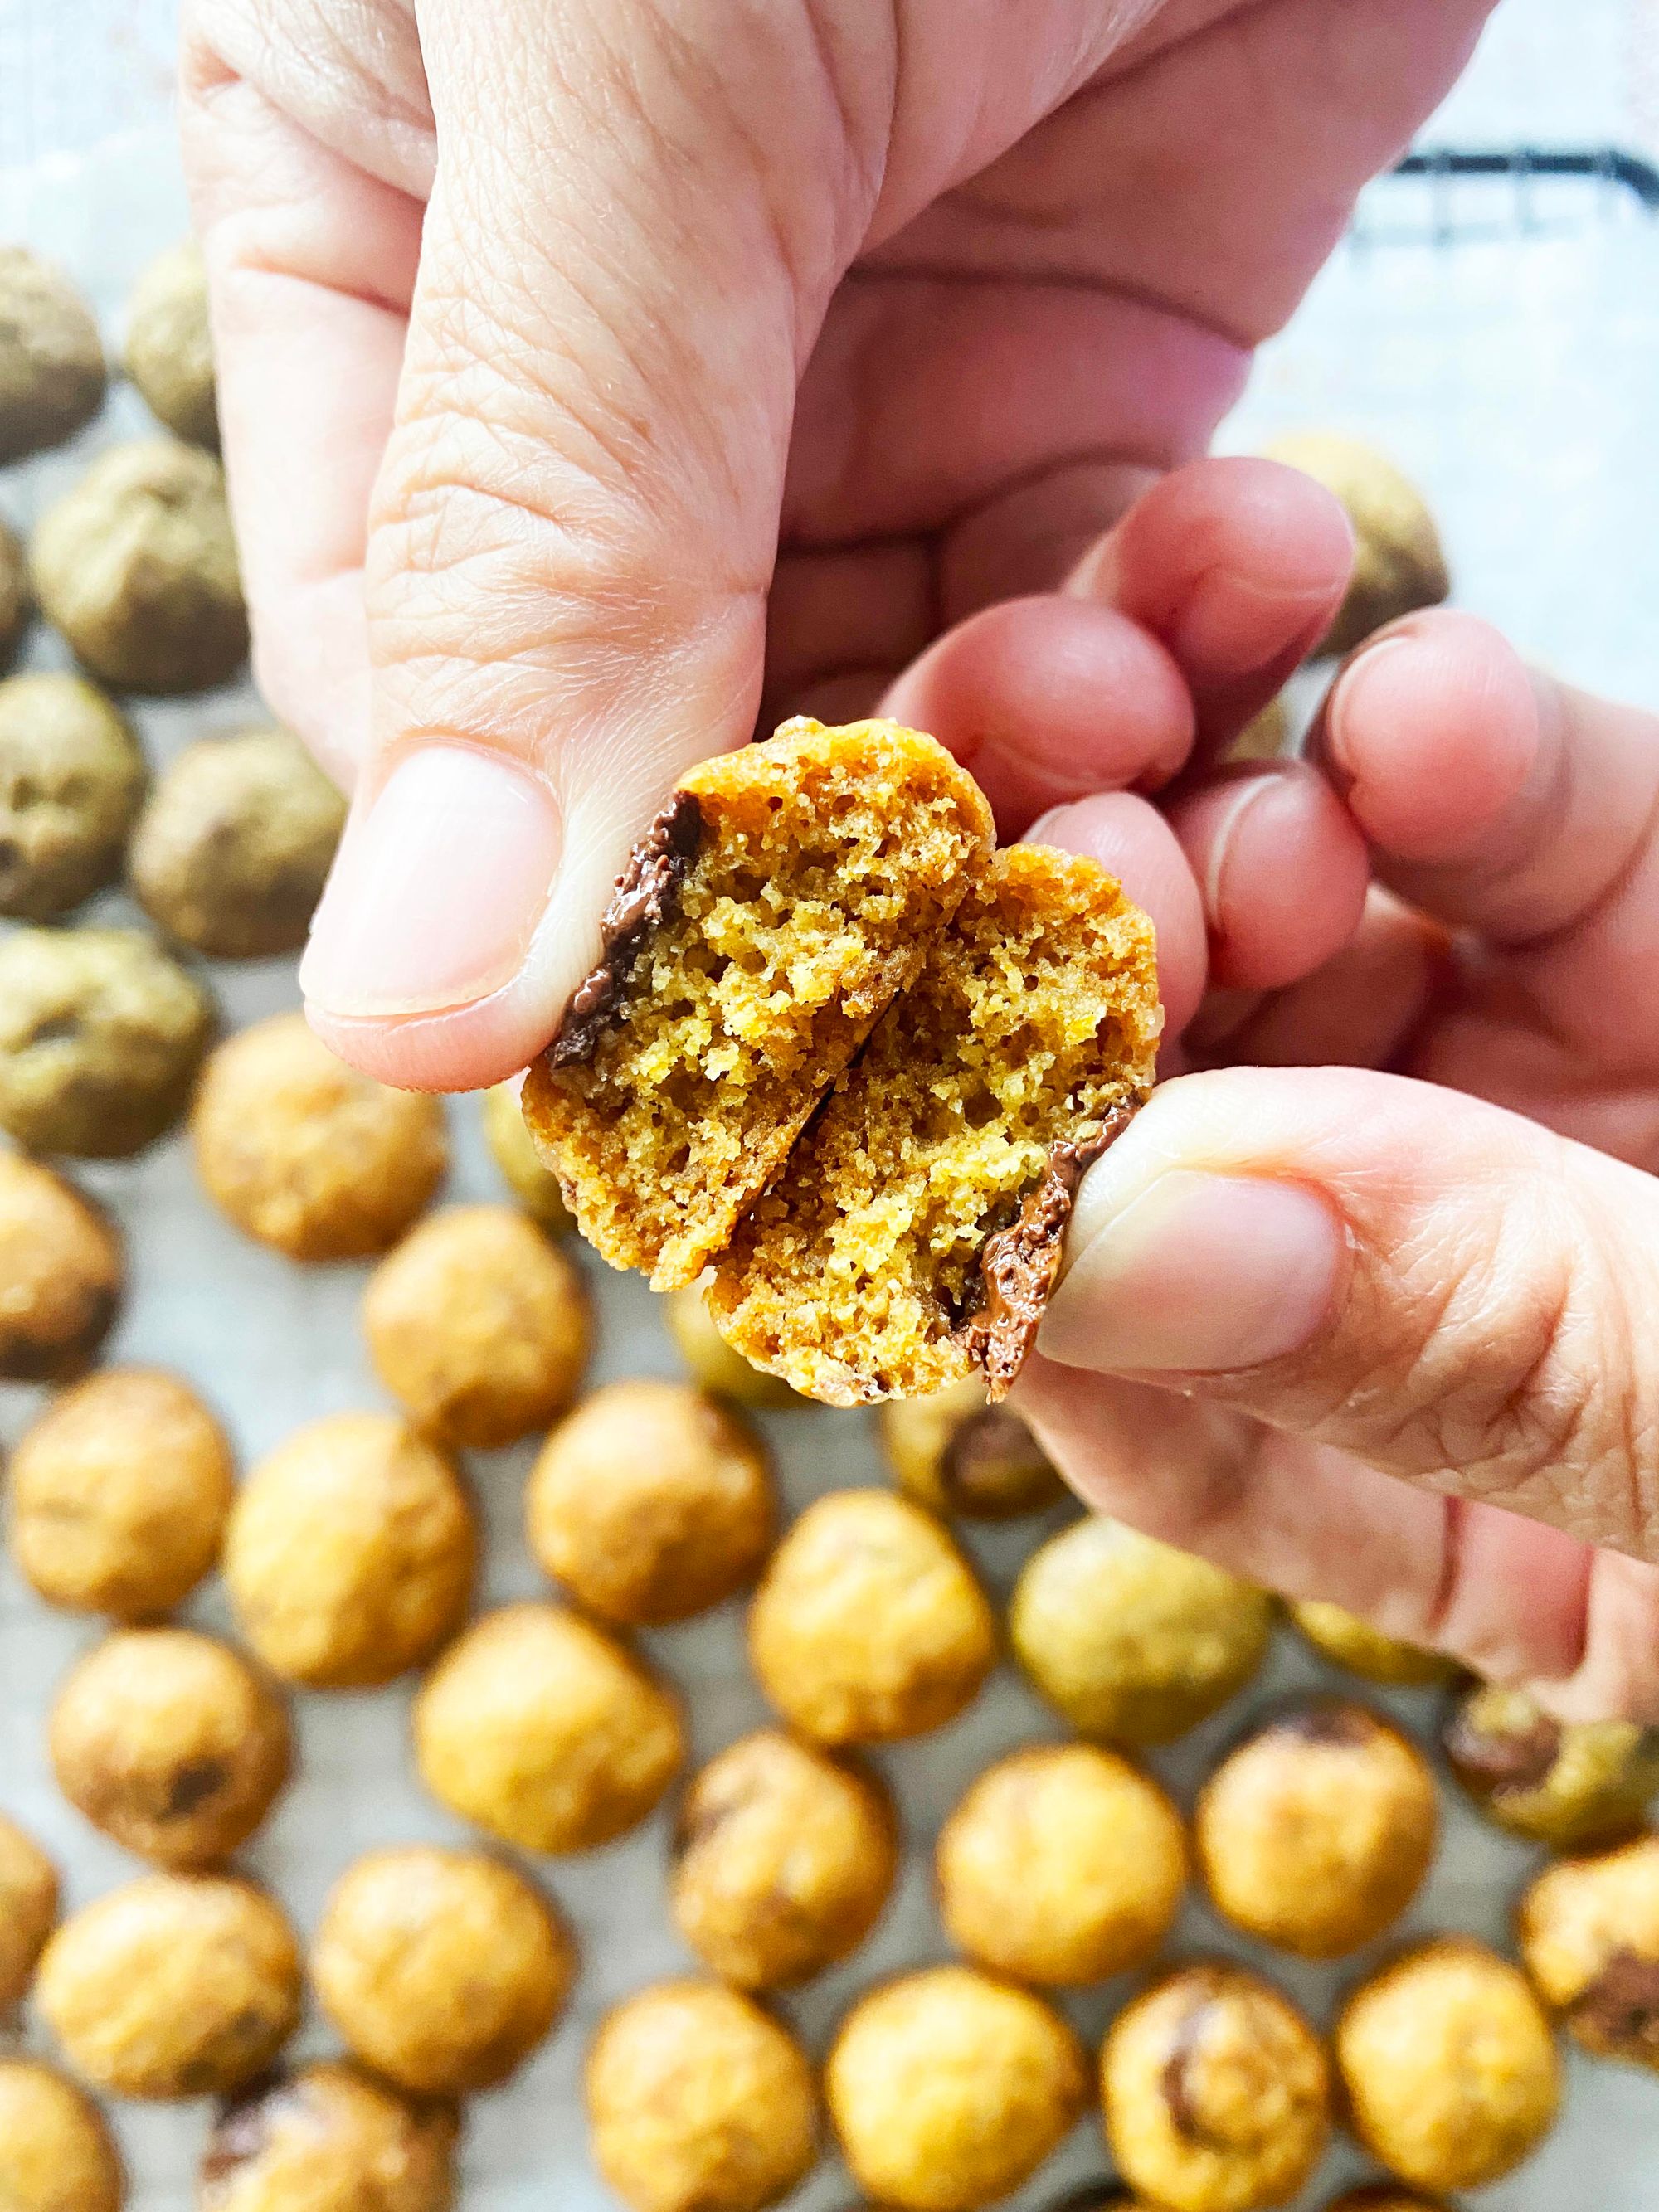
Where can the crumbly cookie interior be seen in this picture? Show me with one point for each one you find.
(826, 863)
(858, 1274)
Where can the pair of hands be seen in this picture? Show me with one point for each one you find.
(597, 379)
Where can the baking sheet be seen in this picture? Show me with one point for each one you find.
(1513, 372)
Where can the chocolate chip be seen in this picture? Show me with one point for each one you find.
(1618, 2012)
(1180, 2091)
(245, 2125)
(1510, 1764)
(1018, 1265)
(987, 1450)
(192, 1785)
(644, 897)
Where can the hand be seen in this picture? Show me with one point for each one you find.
(543, 331)
(1391, 1335)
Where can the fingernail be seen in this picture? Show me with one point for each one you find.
(1249, 793)
(437, 889)
(1219, 629)
(1193, 1272)
(1354, 673)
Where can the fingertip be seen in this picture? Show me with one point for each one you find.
(1433, 730)
(1046, 699)
(1282, 872)
(1133, 843)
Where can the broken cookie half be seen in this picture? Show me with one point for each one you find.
(916, 1230)
(783, 897)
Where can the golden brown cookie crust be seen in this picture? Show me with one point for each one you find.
(118, 1495)
(1316, 1830)
(699, 2101)
(1216, 2093)
(442, 1969)
(1131, 1640)
(546, 1731)
(948, 2089)
(173, 1985)
(1061, 1864)
(1451, 2076)
(783, 1860)
(959, 1456)
(62, 1272)
(304, 1153)
(100, 1037)
(1590, 1939)
(169, 1742)
(785, 895)
(479, 1326)
(328, 2137)
(713, 1364)
(56, 2153)
(868, 1625)
(651, 1503)
(351, 1552)
(1573, 1785)
(28, 1909)
(916, 1229)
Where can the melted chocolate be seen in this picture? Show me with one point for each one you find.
(1178, 2088)
(192, 1785)
(1503, 1765)
(245, 2127)
(644, 897)
(977, 1456)
(1017, 1265)
(1322, 1720)
(1620, 2010)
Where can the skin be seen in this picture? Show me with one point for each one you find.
(842, 341)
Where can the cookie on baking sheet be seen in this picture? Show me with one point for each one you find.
(783, 897)
(915, 1231)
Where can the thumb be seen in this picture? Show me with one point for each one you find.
(572, 528)
(1448, 1291)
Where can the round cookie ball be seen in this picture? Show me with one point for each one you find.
(174, 1985)
(1215, 2092)
(328, 2137)
(651, 1503)
(118, 1495)
(28, 1909)
(783, 1861)
(61, 1275)
(100, 1037)
(135, 567)
(715, 1367)
(1366, 1651)
(351, 1553)
(545, 1731)
(169, 352)
(1451, 2076)
(1571, 1784)
(71, 776)
(56, 2154)
(51, 360)
(512, 1148)
(479, 1325)
(868, 1625)
(305, 1154)
(170, 1743)
(699, 2101)
(16, 607)
(1398, 564)
(1589, 1937)
(955, 1454)
(1316, 1833)
(442, 1969)
(1133, 1641)
(233, 846)
(1060, 1865)
(949, 2089)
